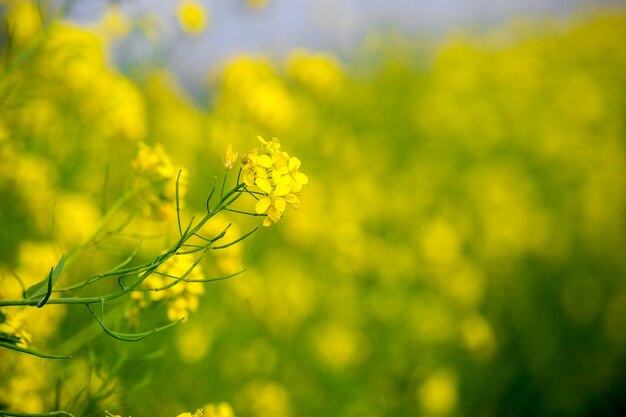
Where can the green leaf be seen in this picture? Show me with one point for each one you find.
(44, 287)
(39, 288)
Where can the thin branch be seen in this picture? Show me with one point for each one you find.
(223, 184)
(180, 231)
(33, 352)
(51, 413)
(236, 240)
(131, 337)
(208, 200)
(246, 213)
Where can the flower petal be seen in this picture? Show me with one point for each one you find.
(279, 160)
(276, 177)
(300, 178)
(262, 205)
(293, 200)
(280, 204)
(294, 163)
(248, 177)
(295, 187)
(282, 189)
(274, 214)
(264, 185)
(264, 161)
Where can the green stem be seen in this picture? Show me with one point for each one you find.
(223, 183)
(51, 413)
(32, 352)
(224, 202)
(247, 213)
(104, 221)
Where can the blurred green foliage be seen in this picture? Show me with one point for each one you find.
(459, 249)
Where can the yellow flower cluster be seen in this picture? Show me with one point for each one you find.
(318, 72)
(12, 329)
(227, 260)
(192, 17)
(153, 163)
(182, 297)
(199, 413)
(154, 168)
(212, 410)
(252, 91)
(277, 175)
(218, 410)
(257, 4)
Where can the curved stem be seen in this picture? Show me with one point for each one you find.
(144, 270)
(51, 413)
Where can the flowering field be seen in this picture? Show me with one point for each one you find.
(413, 231)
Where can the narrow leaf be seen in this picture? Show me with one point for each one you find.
(45, 298)
(33, 352)
(44, 287)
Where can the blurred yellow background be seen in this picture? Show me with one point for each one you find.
(459, 250)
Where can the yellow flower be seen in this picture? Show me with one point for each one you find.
(269, 147)
(231, 157)
(181, 298)
(287, 170)
(23, 21)
(154, 168)
(198, 413)
(321, 73)
(219, 410)
(192, 17)
(257, 4)
(115, 24)
(274, 203)
(12, 329)
(277, 175)
(153, 162)
(252, 169)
